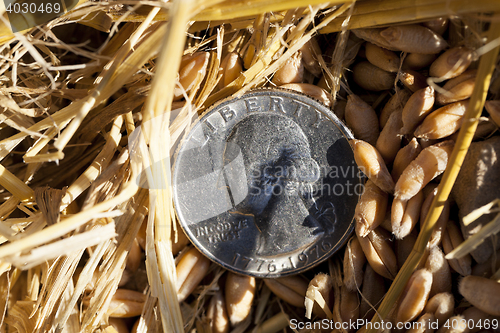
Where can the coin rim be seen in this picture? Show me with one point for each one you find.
(259, 92)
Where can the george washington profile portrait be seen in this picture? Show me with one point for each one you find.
(280, 175)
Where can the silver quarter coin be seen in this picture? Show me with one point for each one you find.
(266, 184)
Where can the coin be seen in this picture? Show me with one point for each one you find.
(266, 184)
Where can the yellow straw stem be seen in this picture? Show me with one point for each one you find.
(469, 125)
(71, 223)
(475, 240)
(383, 12)
(14, 185)
(242, 8)
(157, 134)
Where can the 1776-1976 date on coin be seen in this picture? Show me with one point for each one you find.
(266, 184)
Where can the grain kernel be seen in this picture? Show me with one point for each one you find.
(291, 289)
(441, 306)
(417, 61)
(413, 80)
(371, 207)
(310, 50)
(452, 237)
(379, 252)
(349, 305)
(414, 38)
(191, 269)
(493, 108)
(403, 224)
(429, 164)
(404, 157)
(484, 130)
(134, 256)
(291, 72)
(440, 227)
(324, 82)
(339, 109)
(119, 325)
(370, 77)
(181, 243)
(442, 122)
(239, 293)
(441, 275)
(362, 119)
(373, 36)
(217, 313)
(483, 293)
(193, 68)
(373, 292)
(424, 143)
(417, 108)
(487, 268)
(397, 212)
(415, 296)
(389, 140)
(451, 63)
(276, 323)
(323, 284)
(125, 278)
(141, 234)
(403, 247)
(372, 164)
(126, 303)
(438, 25)
(458, 88)
(311, 90)
(231, 68)
(395, 103)
(386, 223)
(354, 260)
(382, 58)
(476, 316)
